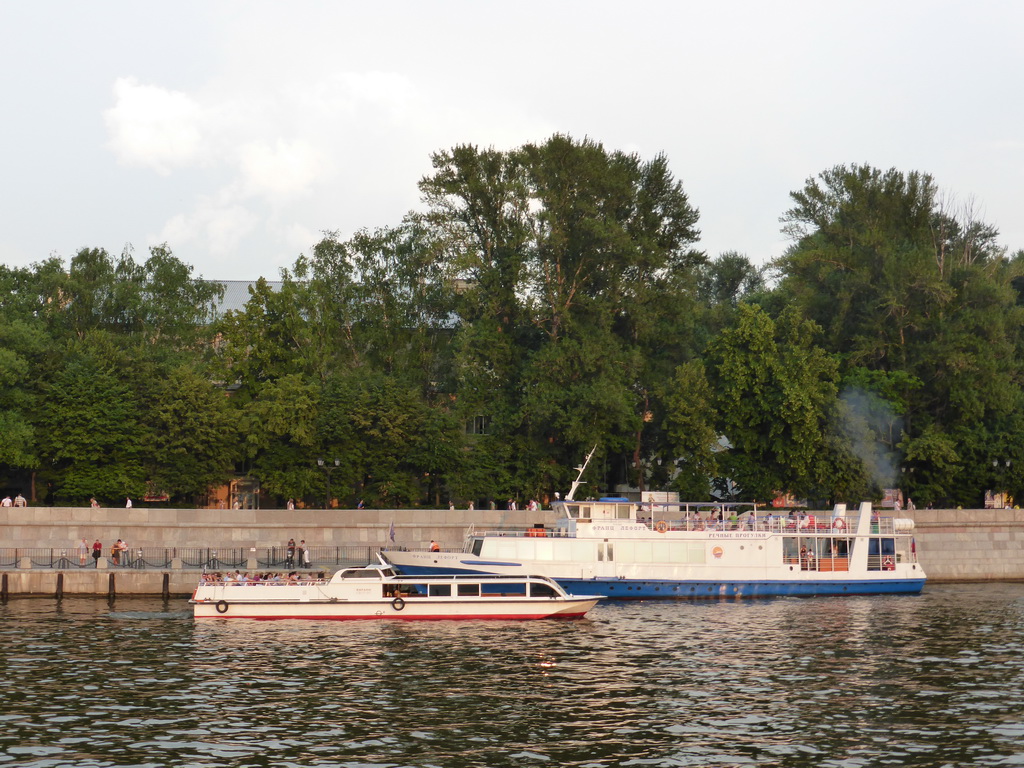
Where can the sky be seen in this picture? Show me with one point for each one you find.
(238, 133)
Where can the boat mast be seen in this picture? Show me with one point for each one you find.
(578, 481)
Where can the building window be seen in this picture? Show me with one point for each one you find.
(478, 425)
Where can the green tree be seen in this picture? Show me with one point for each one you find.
(692, 443)
(194, 432)
(566, 249)
(903, 286)
(774, 390)
(92, 431)
(279, 425)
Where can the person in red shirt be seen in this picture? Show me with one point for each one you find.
(97, 550)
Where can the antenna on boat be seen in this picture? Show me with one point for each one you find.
(578, 481)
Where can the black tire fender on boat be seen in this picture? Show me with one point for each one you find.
(222, 606)
(398, 603)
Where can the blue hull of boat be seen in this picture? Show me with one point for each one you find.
(650, 589)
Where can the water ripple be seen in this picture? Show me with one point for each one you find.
(933, 680)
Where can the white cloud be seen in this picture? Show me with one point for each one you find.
(220, 229)
(153, 127)
(279, 171)
(270, 164)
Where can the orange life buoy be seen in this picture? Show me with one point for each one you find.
(661, 526)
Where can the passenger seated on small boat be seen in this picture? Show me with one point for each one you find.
(293, 578)
(228, 578)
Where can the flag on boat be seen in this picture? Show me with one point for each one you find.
(391, 533)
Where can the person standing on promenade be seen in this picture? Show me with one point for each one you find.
(128, 502)
(97, 550)
(83, 552)
(19, 501)
(307, 558)
(300, 553)
(7, 501)
(93, 503)
(289, 560)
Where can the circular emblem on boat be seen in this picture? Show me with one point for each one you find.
(398, 603)
(661, 526)
(717, 552)
(222, 606)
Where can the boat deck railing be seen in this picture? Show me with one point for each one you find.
(213, 581)
(810, 526)
(208, 558)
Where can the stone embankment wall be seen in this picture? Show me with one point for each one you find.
(970, 544)
(952, 545)
(61, 527)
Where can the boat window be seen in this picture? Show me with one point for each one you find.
(469, 590)
(585, 512)
(440, 590)
(504, 589)
(413, 590)
(361, 574)
(881, 553)
(477, 546)
(539, 589)
(623, 511)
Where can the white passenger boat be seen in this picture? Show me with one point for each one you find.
(619, 549)
(376, 592)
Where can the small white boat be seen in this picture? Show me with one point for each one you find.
(376, 592)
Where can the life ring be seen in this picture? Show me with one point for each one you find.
(887, 564)
(398, 603)
(661, 526)
(839, 524)
(222, 606)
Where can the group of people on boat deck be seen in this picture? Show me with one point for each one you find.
(716, 520)
(239, 578)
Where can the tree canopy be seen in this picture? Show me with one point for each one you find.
(544, 300)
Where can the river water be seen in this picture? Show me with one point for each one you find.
(929, 680)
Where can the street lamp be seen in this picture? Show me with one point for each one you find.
(327, 468)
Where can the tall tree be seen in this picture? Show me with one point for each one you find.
(774, 391)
